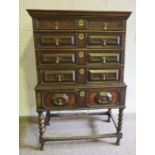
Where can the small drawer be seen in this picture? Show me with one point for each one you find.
(55, 40)
(104, 40)
(57, 58)
(105, 25)
(100, 75)
(103, 58)
(57, 76)
(103, 98)
(63, 99)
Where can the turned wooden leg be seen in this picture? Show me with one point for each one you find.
(41, 129)
(119, 127)
(47, 118)
(109, 114)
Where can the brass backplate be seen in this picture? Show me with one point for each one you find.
(82, 94)
(81, 22)
(81, 54)
(81, 36)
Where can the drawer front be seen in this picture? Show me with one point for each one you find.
(105, 25)
(63, 99)
(104, 40)
(104, 98)
(103, 58)
(54, 23)
(58, 40)
(57, 76)
(100, 75)
(61, 23)
(57, 58)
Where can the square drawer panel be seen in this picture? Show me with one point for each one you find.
(63, 99)
(103, 57)
(60, 58)
(62, 76)
(104, 75)
(104, 40)
(70, 23)
(106, 97)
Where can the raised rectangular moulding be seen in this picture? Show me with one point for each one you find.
(57, 58)
(104, 57)
(104, 40)
(103, 75)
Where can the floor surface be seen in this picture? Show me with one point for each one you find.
(81, 125)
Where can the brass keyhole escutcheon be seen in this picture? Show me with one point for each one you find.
(82, 94)
(81, 54)
(81, 22)
(81, 36)
(81, 71)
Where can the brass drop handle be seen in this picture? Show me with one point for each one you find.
(59, 78)
(104, 98)
(57, 42)
(56, 25)
(104, 42)
(60, 99)
(104, 60)
(105, 26)
(104, 76)
(57, 60)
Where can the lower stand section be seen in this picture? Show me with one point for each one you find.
(45, 121)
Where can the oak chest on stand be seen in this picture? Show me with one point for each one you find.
(80, 66)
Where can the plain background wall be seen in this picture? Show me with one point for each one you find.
(27, 70)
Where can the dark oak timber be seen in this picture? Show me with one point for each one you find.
(80, 66)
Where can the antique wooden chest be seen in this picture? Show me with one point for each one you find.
(80, 65)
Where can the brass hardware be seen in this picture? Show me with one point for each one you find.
(81, 22)
(56, 25)
(82, 94)
(104, 76)
(60, 99)
(57, 42)
(104, 42)
(81, 36)
(57, 59)
(104, 98)
(81, 71)
(81, 54)
(104, 60)
(105, 26)
(59, 78)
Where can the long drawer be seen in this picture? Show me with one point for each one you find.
(78, 40)
(63, 23)
(79, 57)
(79, 75)
(82, 98)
